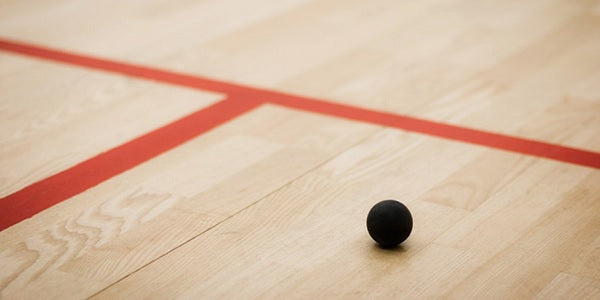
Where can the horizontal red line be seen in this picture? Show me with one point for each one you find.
(474, 136)
(195, 82)
(43, 194)
(70, 182)
(452, 132)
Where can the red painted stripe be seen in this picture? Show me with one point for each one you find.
(195, 82)
(43, 194)
(59, 187)
(474, 136)
(452, 132)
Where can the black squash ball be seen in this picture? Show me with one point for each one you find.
(389, 223)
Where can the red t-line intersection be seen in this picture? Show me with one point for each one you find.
(239, 99)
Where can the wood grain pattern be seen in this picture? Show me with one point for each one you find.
(105, 234)
(273, 203)
(541, 252)
(50, 123)
(279, 247)
(565, 285)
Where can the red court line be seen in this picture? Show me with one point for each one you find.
(474, 136)
(452, 132)
(70, 182)
(195, 82)
(43, 194)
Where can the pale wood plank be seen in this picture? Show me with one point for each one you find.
(289, 191)
(314, 224)
(461, 48)
(435, 50)
(113, 229)
(53, 117)
(567, 286)
(308, 240)
(135, 31)
(550, 244)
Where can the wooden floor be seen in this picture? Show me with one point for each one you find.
(272, 202)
